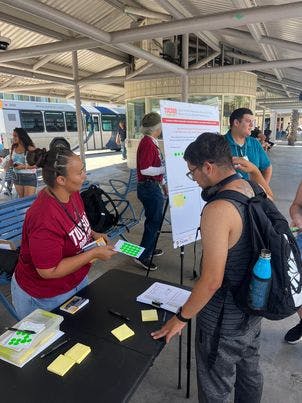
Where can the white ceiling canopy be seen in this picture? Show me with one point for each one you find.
(110, 38)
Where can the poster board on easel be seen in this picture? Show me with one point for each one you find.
(182, 123)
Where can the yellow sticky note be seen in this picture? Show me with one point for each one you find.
(179, 200)
(78, 352)
(122, 332)
(149, 315)
(61, 365)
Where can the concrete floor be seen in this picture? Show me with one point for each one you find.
(281, 363)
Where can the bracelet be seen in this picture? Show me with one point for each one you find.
(180, 317)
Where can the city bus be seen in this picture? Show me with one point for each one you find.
(55, 124)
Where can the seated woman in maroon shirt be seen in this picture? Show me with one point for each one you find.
(52, 266)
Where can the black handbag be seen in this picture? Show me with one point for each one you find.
(8, 261)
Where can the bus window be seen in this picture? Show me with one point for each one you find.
(109, 123)
(54, 121)
(32, 121)
(96, 127)
(71, 121)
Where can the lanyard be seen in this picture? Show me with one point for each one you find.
(241, 151)
(79, 224)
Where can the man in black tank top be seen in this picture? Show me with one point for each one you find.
(230, 357)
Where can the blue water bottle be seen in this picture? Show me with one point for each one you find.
(261, 281)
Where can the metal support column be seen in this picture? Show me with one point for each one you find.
(77, 98)
(263, 121)
(185, 65)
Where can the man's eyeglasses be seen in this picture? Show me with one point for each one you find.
(190, 174)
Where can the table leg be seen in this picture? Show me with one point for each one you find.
(189, 337)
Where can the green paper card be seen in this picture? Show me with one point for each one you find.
(128, 248)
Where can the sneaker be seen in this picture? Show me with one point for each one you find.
(294, 335)
(145, 264)
(158, 252)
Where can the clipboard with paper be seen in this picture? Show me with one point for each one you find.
(164, 296)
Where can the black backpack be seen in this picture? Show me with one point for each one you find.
(270, 230)
(100, 209)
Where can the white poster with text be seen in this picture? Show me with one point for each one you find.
(182, 123)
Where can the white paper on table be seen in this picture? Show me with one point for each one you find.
(164, 296)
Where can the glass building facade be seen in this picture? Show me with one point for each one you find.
(228, 90)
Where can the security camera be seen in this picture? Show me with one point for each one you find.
(4, 43)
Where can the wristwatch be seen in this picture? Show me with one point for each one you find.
(180, 317)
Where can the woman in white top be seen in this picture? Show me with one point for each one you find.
(25, 176)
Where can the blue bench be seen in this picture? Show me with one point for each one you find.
(12, 215)
(122, 188)
(127, 219)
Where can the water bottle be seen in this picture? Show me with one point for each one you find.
(260, 282)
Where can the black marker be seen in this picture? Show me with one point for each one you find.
(54, 348)
(164, 316)
(120, 315)
(14, 329)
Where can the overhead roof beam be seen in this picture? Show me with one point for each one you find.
(9, 82)
(101, 49)
(140, 53)
(33, 87)
(250, 66)
(289, 89)
(275, 100)
(38, 76)
(105, 80)
(104, 73)
(207, 38)
(42, 62)
(47, 49)
(283, 106)
(139, 70)
(67, 21)
(242, 56)
(279, 91)
(22, 66)
(30, 26)
(257, 30)
(296, 47)
(236, 33)
(144, 12)
(206, 60)
(234, 18)
(290, 83)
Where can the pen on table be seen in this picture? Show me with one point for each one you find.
(120, 315)
(14, 329)
(164, 316)
(54, 348)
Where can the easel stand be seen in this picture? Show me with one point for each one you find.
(182, 254)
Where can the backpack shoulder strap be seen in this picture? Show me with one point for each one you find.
(232, 195)
(239, 197)
(250, 203)
(258, 190)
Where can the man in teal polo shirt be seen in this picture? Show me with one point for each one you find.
(245, 146)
